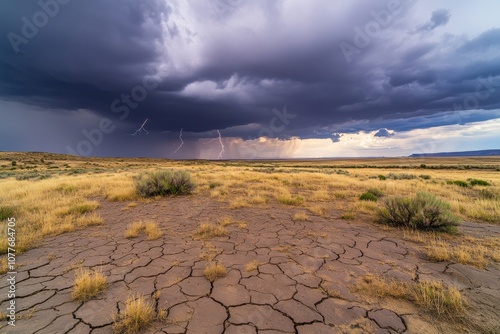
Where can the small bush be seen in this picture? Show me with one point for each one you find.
(425, 177)
(164, 183)
(476, 182)
(458, 183)
(14, 163)
(382, 177)
(425, 212)
(368, 197)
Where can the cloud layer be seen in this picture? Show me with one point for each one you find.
(234, 66)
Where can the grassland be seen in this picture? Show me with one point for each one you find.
(51, 194)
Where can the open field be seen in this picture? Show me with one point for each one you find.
(263, 246)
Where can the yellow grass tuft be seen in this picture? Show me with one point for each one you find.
(151, 229)
(252, 265)
(301, 216)
(436, 298)
(134, 229)
(135, 318)
(226, 221)
(88, 284)
(214, 270)
(207, 231)
(433, 297)
(89, 220)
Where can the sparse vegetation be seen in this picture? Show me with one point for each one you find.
(368, 197)
(300, 216)
(477, 182)
(424, 211)
(207, 231)
(214, 270)
(433, 297)
(135, 318)
(151, 229)
(459, 183)
(88, 284)
(164, 183)
(252, 265)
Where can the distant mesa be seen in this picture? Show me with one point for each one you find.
(482, 153)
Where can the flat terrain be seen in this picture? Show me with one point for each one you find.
(300, 250)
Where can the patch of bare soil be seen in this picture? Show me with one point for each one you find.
(283, 276)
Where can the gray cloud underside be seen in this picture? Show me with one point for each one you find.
(92, 52)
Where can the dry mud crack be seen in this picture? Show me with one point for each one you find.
(302, 283)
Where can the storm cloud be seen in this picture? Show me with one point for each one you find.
(236, 66)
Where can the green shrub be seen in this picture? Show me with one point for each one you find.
(6, 212)
(425, 177)
(164, 183)
(401, 176)
(458, 183)
(368, 196)
(375, 191)
(476, 182)
(423, 166)
(382, 177)
(14, 163)
(32, 176)
(424, 211)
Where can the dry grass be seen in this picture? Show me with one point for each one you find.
(438, 299)
(252, 265)
(135, 318)
(209, 252)
(151, 229)
(214, 270)
(207, 231)
(52, 206)
(88, 284)
(226, 221)
(76, 265)
(300, 216)
(134, 229)
(473, 253)
(89, 220)
(433, 297)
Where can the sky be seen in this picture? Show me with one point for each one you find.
(247, 79)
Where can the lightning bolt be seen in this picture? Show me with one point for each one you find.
(221, 144)
(141, 129)
(182, 142)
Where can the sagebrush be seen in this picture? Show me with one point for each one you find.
(164, 183)
(424, 211)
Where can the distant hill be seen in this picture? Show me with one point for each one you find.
(482, 153)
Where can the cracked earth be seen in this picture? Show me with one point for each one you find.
(302, 283)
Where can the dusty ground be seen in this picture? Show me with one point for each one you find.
(302, 285)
